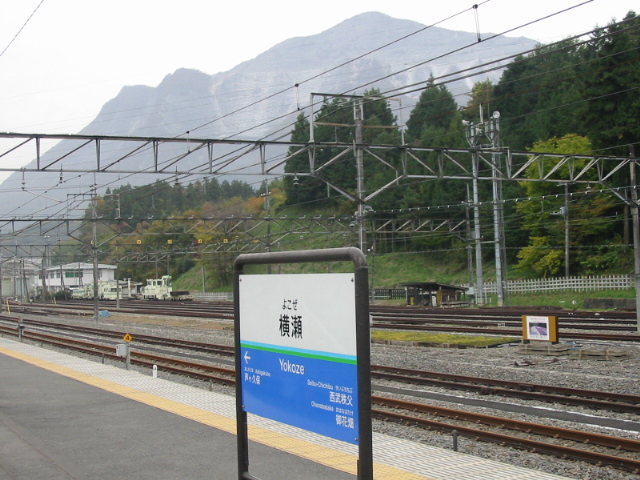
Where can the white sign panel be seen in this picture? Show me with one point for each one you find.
(306, 312)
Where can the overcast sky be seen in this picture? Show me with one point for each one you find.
(72, 56)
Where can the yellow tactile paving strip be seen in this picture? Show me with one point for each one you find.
(326, 456)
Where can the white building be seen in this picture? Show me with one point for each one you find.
(74, 275)
(20, 277)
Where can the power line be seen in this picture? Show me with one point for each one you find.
(497, 67)
(336, 67)
(422, 29)
(21, 28)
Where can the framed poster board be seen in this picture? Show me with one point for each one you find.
(540, 328)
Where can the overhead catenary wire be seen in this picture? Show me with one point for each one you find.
(352, 60)
(422, 87)
(580, 4)
(21, 28)
(338, 67)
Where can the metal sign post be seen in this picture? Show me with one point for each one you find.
(303, 350)
(127, 338)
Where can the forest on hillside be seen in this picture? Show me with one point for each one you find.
(578, 96)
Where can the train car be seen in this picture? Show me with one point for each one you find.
(157, 288)
(80, 293)
(110, 290)
(160, 289)
(181, 296)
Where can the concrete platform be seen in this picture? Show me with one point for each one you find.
(62, 417)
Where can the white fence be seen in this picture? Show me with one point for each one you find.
(576, 284)
(213, 296)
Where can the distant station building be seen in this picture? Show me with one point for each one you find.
(76, 275)
(19, 277)
(435, 294)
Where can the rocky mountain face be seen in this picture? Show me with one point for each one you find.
(203, 105)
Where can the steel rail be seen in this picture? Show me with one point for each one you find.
(549, 393)
(169, 342)
(512, 424)
(623, 463)
(529, 387)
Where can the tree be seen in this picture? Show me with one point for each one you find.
(538, 93)
(432, 118)
(335, 123)
(612, 105)
(436, 122)
(544, 215)
(299, 190)
(481, 99)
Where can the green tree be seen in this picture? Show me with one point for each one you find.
(435, 121)
(430, 123)
(335, 123)
(299, 189)
(481, 99)
(537, 94)
(612, 106)
(544, 215)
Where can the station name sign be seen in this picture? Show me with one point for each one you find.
(298, 351)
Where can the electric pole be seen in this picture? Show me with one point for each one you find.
(491, 130)
(362, 233)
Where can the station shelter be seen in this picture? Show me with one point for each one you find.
(434, 294)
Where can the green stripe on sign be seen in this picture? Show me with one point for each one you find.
(300, 354)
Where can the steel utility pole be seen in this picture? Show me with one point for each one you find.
(636, 233)
(493, 132)
(94, 251)
(362, 233)
(477, 235)
(1, 285)
(567, 269)
(267, 204)
(472, 138)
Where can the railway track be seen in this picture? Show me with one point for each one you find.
(469, 316)
(627, 463)
(499, 322)
(590, 447)
(186, 309)
(148, 339)
(596, 400)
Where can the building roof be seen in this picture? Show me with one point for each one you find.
(433, 286)
(81, 266)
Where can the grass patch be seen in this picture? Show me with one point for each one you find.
(441, 338)
(566, 300)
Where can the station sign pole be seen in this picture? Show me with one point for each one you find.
(302, 345)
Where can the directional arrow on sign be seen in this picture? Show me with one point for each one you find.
(246, 357)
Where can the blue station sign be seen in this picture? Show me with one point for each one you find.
(298, 351)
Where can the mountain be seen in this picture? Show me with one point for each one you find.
(203, 105)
